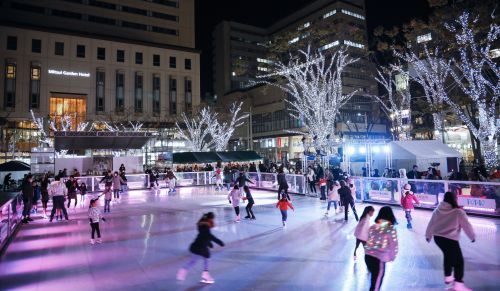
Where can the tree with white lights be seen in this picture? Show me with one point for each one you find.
(223, 130)
(396, 103)
(431, 73)
(477, 76)
(198, 129)
(314, 82)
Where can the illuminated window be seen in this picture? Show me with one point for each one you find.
(74, 107)
(424, 38)
(263, 69)
(294, 40)
(354, 44)
(264, 61)
(189, 94)
(99, 96)
(10, 85)
(138, 97)
(173, 96)
(156, 94)
(327, 46)
(326, 15)
(355, 15)
(35, 87)
(120, 91)
(305, 25)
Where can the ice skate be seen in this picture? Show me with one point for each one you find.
(99, 241)
(460, 286)
(181, 274)
(326, 214)
(237, 218)
(409, 226)
(206, 278)
(355, 258)
(92, 241)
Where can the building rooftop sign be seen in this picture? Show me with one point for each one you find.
(69, 73)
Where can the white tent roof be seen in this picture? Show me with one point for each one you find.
(422, 149)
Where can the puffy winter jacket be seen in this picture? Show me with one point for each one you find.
(382, 241)
(235, 196)
(407, 201)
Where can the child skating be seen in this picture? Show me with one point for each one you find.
(83, 192)
(199, 248)
(361, 230)
(407, 200)
(283, 206)
(333, 197)
(234, 198)
(107, 199)
(218, 179)
(94, 218)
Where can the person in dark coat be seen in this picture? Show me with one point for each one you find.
(72, 186)
(242, 180)
(200, 248)
(282, 183)
(250, 202)
(227, 177)
(28, 194)
(413, 174)
(346, 199)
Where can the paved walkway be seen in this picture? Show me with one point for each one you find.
(147, 235)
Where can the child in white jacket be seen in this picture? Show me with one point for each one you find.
(446, 223)
(94, 217)
(234, 198)
(361, 230)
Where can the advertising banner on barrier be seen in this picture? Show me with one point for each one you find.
(381, 195)
(427, 199)
(477, 203)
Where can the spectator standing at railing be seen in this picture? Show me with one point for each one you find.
(311, 179)
(122, 169)
(252, 168)
(413, 174)
(72, 186)
(28, 194)
(117, 185)
(446, 223)
(227, 177)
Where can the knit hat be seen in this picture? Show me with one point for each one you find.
(407, 187)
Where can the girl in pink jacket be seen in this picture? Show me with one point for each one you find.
(407, 200)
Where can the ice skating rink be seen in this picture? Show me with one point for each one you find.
(147, 235)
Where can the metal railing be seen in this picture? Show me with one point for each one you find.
(134, 182)
(10, 217)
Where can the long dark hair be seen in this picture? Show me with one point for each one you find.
(385, 213)
(451, 198)
(367, 210)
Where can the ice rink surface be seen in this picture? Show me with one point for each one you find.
(147, 235)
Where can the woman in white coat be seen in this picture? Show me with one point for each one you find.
(234, 198)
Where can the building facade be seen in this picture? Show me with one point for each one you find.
(95, 71)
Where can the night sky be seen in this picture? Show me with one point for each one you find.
(265, 12)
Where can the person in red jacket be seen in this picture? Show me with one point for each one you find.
(407, 200)
(283, 205)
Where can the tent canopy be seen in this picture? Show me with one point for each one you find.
(422, 149)
(14, 166)
(212, 157)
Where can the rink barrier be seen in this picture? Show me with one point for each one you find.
(10, 217)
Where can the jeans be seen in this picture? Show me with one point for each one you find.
(58, 202)
(107, 204)
(228, 186)
(248, 208)
(377, 269)
(194, 259)
(408, 216)
(323, 192)
(346, 204)
(312, 186)
(116, 193)
(95, 228)
(284, 215)
(453, 259)
(330, 203)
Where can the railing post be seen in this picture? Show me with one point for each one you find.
(197, 179)
(92, 178)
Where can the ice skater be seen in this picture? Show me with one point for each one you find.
(218, 179)
(250, 202)
(333, 197)
(361, 230)
(83, 192)
(72, 186)
(107, 199)
(234, 197)
(446, 223)
(94, 217)
(170, 180)
(117, 186)
(283, 205)
(407, 200)
(381, 246)
(346, 199)
(199, 248)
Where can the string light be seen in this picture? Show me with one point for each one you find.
(198, 129)
(222, 131)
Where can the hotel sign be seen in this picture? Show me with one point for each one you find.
(69, 73)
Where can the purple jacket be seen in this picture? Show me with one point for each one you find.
(382, 241)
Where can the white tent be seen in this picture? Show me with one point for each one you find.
(423, 153)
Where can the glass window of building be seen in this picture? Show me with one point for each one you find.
(10, 85)
(173, 96)
(156, 60)
(35, 86)
(11, 43)
(138, 58)
(99, 96)
(59, 48)
(36, 46)
(80, 51)
(101, 53)
(139, 84)
(120, 56)
(73, 105)
(189, 95)
(156, 94)
(173, 62)
(120, 91)
(187, 64)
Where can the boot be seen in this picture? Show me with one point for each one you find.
(238, 218)
(326, 214)
(449, 279)
(460, 286)
(92, 241)
(99, 241)
(181, 274)
(206, 278)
